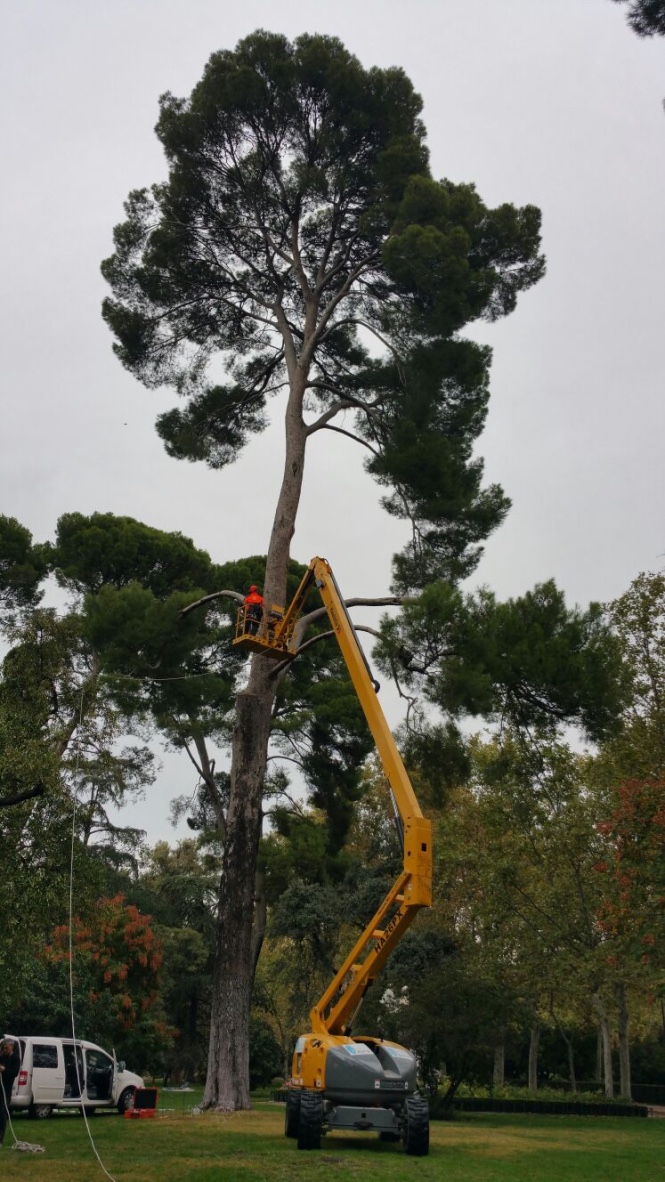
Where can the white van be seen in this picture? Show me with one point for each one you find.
(61, 1073)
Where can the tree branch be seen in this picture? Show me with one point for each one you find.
(350, 435)
(359, 601)
(297, 260)
(239, 598)
(63, 740)
(311, 617)
(370, 328)
(206, 772)
(325, 635)
(30, 794)
(343, 403)
(286, 331)
(308, 351)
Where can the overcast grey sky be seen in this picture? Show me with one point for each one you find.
(553, 102)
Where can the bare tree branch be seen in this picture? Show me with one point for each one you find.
(206, 770)
(350, 435)
(239, 598)
(358, 601)
(325, 635)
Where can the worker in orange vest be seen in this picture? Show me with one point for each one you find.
(253, 610)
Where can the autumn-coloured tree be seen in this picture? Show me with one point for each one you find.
(634, 909)
(116, 962)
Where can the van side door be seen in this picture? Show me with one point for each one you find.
(48, 1072)
(74, 1071)
(99, 1073)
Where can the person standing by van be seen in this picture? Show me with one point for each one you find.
(10, 1065)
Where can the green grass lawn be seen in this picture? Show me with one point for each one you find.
(251, 1147)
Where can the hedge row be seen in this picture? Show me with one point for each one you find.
(544, 1107)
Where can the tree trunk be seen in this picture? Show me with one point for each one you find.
(599, 1056)
(534, 1042)
(193, 1017)
(625, 1084)
(608, 1079)
(569, 1048)
(227, 1083)
(571, 1059)
(260, 917)
(284, 523)
(498, 1074)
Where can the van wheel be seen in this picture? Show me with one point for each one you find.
(126, 1100)
(39, 1111)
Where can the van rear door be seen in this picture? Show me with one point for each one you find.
(22, 1075)
(48, 1072)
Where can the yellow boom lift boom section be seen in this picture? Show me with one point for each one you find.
(275, 636)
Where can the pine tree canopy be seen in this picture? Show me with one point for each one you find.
(300, 241)
(646, 17)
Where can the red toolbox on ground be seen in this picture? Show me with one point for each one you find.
(145, 1104)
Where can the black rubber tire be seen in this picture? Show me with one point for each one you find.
(311, 1119)
(390, 1138)
(416, 1132)
(292, 1114)
(125, 1100)
(40, 1111)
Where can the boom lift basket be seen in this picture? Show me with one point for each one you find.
(260, 633)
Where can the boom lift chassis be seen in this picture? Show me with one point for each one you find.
(340, 1082)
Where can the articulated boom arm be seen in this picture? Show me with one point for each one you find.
(334, 1011)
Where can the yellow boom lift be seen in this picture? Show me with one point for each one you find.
(339, 1081)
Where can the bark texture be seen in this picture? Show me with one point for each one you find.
(625, 1082)
(534, 1044)
(570, 1051)
(606, 1039)
(227, 1085)
(499, 1071)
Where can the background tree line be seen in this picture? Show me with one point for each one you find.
(544, 940)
